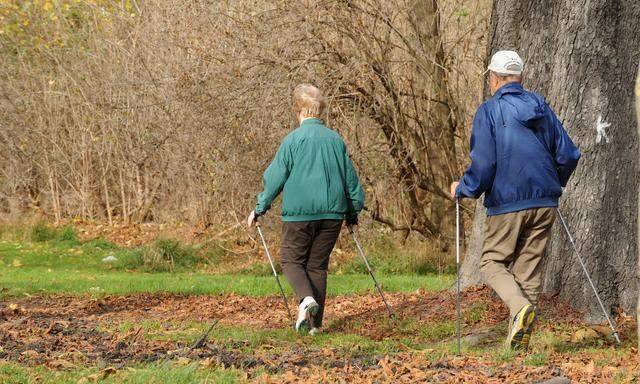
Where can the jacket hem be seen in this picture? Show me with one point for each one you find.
(522, 205)
(319, 216)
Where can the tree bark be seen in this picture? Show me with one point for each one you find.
(469, 271)
(582, 56)
(638, 271)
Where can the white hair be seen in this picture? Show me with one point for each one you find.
(308, 101)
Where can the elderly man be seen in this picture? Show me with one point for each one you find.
(521, 157)
(320, 190)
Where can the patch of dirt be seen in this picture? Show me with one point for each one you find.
(60, 331)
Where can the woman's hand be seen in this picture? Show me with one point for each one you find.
(252, 219)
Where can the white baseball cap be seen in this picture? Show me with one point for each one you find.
(506, 63)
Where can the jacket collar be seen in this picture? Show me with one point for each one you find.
(311, 121)
(513, 87)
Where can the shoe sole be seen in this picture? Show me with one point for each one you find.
(519, 338)
(304, 327)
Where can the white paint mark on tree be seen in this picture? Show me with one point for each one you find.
(601, 125)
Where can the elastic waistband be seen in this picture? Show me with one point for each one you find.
(522, 205)
(319, 216)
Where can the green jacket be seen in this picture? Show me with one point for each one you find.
(313, 170)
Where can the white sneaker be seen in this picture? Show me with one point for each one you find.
(307, 308)
(314, 331)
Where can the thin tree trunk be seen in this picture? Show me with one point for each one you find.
(55, 201)
(123, 198)
(54, 198)
(582, 56)
(105, 186)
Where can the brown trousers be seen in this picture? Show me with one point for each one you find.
(513, 248)
(305, 250)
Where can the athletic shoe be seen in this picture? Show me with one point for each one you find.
(314, 331)
(307, 308)
(521, 327)
(526, 338)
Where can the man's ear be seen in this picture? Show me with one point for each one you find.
(492, 80)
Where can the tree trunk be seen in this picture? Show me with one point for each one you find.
(582, 56)
(638, 271)
(469, 271)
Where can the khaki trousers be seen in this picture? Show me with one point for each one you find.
(305, 250)
(511, 257)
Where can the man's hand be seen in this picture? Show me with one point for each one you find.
(452, 190)
(252, 219)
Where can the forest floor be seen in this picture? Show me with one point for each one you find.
(68, 317)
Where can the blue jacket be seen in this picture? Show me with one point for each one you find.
(521, 156)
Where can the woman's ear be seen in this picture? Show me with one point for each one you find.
(294, 120)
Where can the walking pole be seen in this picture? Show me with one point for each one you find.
(203, 339)
(275, 274)
(458, 275)
(584, 268)
(366, 263)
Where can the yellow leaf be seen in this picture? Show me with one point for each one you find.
(60, 364)
(13, 306)
(16, 263)
(183, 361)
(30, 354)
(583, 334)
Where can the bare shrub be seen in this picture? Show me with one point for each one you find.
(165, 254)
(169, 111)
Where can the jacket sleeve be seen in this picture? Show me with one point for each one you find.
(565, 153)
(275, 177)
(478, 178)
(354, 190)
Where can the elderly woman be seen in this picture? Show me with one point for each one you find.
(320, 189)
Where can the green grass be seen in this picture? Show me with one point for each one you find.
(165, 255)
(189, 332)
(501, 355)
(439, 331)
(20, 281)
(66, 266)
(58, 262)
(536, 359)
(170, 372)
(247, 339)
(387, 257)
